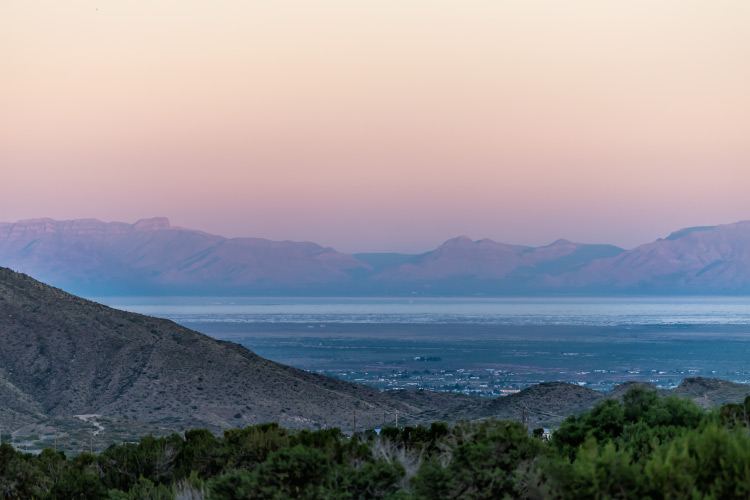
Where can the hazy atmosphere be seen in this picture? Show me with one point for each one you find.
(395, 250)
(386, 126)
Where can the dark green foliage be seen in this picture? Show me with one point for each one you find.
(197, 454)
(711, 462)
(602, 472)
(419, 436)
(643, 448)
(309, 472)
(640, 422)
(733, 415)
(297, 472)
(82, 480)
(246, 448)
(152, 459)
(143, 490)
(19, 477)
(484, 463)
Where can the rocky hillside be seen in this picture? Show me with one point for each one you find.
(549, 403)
(709, 393)
(545, 404)
(62, 355)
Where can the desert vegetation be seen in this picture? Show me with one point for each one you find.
(643, 446)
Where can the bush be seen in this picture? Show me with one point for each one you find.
(644, 447)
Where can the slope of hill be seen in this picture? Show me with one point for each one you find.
(548, 404)
(62, 355)
(709, 393)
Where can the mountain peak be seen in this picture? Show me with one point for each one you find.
(685, 231)
(459, 240)
(152, 224)
(562, 242)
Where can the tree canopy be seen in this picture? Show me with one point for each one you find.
(641, 447)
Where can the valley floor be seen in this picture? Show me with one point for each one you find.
(496, 360)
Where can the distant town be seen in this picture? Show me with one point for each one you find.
(493, 383)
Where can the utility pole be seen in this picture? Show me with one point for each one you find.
(523, 415)
(396, 419)
(355, 424)
(383, 420)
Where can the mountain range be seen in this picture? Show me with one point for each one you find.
(93, 258)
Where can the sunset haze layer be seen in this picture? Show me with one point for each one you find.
(379, 126)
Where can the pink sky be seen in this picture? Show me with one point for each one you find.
(382, 126)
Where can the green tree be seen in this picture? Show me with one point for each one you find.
(20, 477)
(297, 472)
(600, 471)
(152, 458)
(710, 462)
(143, 490)
(81, 481)
(484, 463)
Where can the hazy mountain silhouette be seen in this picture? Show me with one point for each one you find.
(699, 260)
(90, 257)
(462, 266)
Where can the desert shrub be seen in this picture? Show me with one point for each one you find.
(642, 447)
(484, 462)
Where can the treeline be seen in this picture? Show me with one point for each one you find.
(644, 447)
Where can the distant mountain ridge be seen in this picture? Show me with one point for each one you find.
(700, 260)
(90, 257)
(94, 258)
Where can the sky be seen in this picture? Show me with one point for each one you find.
(379, 126)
